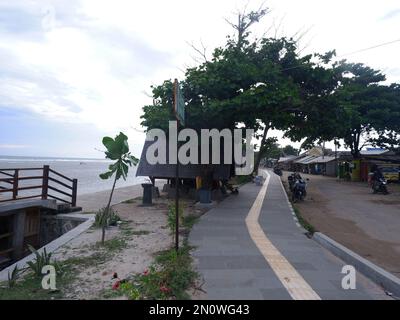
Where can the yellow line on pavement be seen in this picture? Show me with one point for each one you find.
(294, 283)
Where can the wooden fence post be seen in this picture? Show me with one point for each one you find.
(74, 192)
(15, 184)
(45, 184)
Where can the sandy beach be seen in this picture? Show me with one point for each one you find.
(132, 247)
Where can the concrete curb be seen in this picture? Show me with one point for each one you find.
(55, 244)
(378, 275)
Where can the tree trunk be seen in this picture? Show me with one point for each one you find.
(356, 145)
(258, 159)
(107, 212)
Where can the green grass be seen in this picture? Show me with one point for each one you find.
(96, 258)
(29, 287)
(128, 232)
(168, 277)
(307, 226)
(139, 232)
(112, 245)
(134, 200)
(303, 222)
(189, 221)
(110, 294)
(130, 201)
(243, 179)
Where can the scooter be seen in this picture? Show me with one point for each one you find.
(380, 186)
(291, 181)
(299, 190)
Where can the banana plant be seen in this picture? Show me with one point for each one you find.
(117, 150)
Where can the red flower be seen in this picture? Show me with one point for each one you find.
(165, 289)
(116, 285)
(146, 272)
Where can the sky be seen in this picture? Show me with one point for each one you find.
(73, 71)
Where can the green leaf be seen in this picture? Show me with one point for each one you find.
(108, 143)
(124, 169)
(106, 175)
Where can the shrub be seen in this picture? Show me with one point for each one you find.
(104, 220)
(41, 260)
(168, 278)
(13, 277)
(130, 291)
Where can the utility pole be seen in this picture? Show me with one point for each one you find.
(179, 109)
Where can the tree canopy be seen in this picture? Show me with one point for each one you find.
(266, 84)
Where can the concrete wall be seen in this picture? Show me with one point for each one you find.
(54, 226)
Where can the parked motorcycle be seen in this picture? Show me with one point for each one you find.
(380, 185)
(299, 191)
(292, 179)
(278, 171)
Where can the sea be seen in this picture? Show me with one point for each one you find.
(85, 170)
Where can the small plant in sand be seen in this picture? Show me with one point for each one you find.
(13, 277)
(104, 218)
(167, 278)
(118, 150)
(41, 260)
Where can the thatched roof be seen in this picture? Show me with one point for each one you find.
(189, 171)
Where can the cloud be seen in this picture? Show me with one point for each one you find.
(127, 55)
(391, 14)
(19, 21)
(79, 70)
(86, 63)
(13, 146)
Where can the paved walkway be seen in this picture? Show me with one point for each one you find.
(249, 247)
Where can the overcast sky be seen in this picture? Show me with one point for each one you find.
(72, 71)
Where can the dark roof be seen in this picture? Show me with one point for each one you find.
(189, 171)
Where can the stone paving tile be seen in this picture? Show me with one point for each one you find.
(275, 294)
(238, 294)
(234, 268)
(325, 275)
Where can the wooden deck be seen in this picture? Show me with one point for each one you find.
(24, 192)
(49, 184)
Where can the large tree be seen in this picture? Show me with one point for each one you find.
(290, 150)
(354, 107)
(367, 107)
(264, 84)
(388, 130)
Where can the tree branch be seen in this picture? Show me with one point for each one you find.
(202, 53)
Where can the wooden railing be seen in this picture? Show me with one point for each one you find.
(50, 181)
